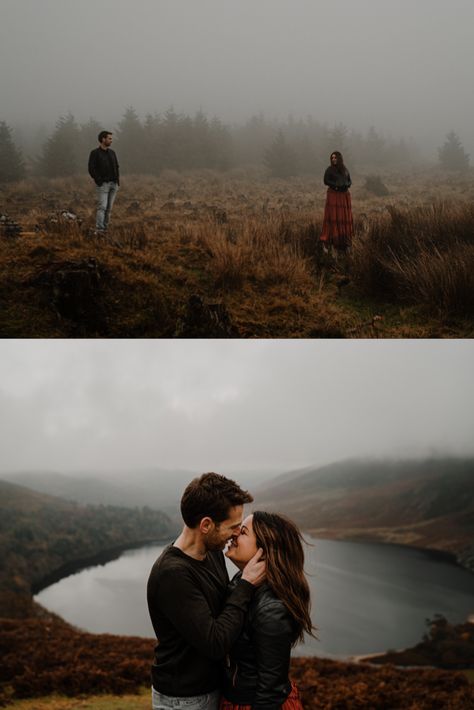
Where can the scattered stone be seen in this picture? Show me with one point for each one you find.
(69, 216)
(8, 227)
(56, 221)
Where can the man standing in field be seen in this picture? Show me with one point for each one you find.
(104, 170)
(196, 623)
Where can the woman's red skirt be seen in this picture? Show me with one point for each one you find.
(338, 225)
(293, 702)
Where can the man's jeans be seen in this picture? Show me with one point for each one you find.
(210, 701)
(105, 199)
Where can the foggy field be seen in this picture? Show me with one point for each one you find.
(208, 254)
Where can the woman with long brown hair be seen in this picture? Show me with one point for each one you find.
(256, 674)
(338, 226)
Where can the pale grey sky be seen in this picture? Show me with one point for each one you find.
(404, 66)
(230, 405)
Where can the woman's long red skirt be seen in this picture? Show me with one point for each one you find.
(338, 225)
(293, 702)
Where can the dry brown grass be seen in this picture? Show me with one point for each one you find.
(104, 702)
(256, 251)
(422, 255)
(249, 245)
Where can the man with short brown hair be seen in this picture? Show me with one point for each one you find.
(104, 170)
(195, 621)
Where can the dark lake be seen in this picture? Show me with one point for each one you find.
(366, 597)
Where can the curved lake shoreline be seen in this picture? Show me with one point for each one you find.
(369, 597)
(98, 559)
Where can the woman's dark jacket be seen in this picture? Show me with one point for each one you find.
(340, 182)
(258, 664)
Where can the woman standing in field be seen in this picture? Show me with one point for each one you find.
(256, 675)
(338, 227)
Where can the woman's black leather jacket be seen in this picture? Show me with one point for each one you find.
(340, 182)
(257, 667)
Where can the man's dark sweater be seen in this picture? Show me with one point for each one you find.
(194, 622)
(103, 166)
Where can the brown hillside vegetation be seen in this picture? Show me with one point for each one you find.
(427, 504)
(41, 536)
(236, 255)
(444, 646)
(40, 657)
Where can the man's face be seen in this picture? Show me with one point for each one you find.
(220, 533)
(107, 141)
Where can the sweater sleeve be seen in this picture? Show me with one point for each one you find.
(273, 636)
(185, 605)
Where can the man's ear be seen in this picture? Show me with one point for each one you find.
(206, 525)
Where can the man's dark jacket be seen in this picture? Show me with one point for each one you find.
(103, 166)
(258, 667)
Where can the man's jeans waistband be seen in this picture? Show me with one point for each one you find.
(209, 701)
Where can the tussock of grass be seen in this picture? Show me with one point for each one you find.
(422, 255)
(442, 280)
(256, 251)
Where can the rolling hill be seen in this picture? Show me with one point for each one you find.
(427, 503)
(42, 536)
(157, 489)
(160, 489)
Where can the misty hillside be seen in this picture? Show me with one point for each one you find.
(439, 481)
(41, 536)
(20, 499)
(421, 503)
(160, 489)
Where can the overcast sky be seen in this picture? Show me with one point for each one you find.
(230, 405)
(404, 66)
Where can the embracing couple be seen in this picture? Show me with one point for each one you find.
(226, 645)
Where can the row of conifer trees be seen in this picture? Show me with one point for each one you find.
(180, 142)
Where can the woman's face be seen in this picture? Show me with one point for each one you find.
(243, 547)
(333, 159)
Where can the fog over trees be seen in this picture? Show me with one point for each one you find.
(183, 142)
(402, 68)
